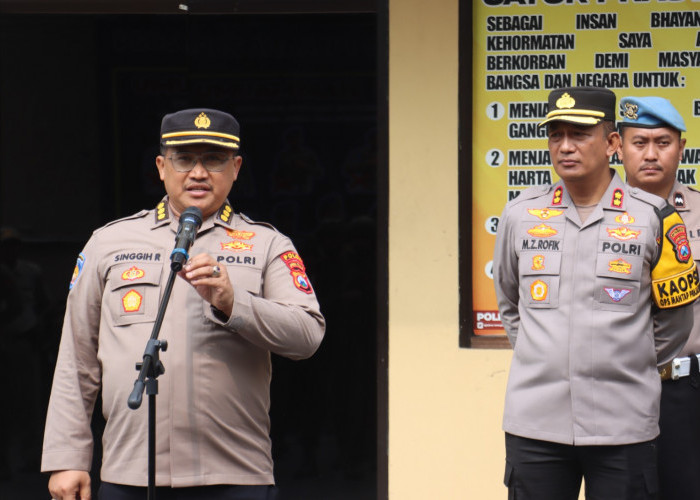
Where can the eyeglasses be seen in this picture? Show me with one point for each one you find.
(213, 162)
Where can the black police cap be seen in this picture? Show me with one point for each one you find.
(581, 105)
(200, 126)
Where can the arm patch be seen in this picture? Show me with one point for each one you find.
(674, 276)
(297, 270)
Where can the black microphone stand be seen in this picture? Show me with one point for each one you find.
(151, 367)
(149, 370)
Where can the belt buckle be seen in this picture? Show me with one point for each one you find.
(675, 369)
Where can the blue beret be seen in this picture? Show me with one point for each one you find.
(650, 112)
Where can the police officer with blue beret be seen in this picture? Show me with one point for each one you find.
(651, 149)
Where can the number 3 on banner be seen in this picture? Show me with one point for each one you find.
(491, 225)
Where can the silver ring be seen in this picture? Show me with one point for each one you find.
(215, 271)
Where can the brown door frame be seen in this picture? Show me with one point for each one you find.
(381, 8)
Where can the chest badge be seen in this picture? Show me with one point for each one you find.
(133, 273)
(542, 231)
(624, 219)
(617, 294)
(544, 213)
(131, 301)
(620, 266)
(237, 234)
(538, 290)
(237, 246)
(623, 233)
(538, 263)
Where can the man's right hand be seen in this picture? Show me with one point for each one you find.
(70, 485)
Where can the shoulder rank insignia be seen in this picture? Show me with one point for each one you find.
(224, 214)
(557, 196)
(678, 200)
(617, 197)
(162, 211)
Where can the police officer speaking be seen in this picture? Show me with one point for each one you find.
(242, 295)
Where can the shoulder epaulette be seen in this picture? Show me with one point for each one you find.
(256, 223)
(649, 198)
(693, 189)
(530, 193)
(137, 215)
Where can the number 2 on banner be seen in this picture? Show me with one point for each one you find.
(494, 158)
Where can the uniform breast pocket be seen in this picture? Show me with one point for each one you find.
(246, 278)
(539, 284)
(617, 281)
(134, 293)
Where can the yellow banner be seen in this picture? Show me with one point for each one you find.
(522, 50)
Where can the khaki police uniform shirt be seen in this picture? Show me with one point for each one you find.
(213, 399)
(576, 302)
(687, 201)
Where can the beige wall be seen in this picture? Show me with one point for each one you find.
(445, 403)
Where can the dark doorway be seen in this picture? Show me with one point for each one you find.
(81, 98)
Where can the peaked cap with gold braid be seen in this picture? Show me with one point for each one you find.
(581, 105)
(200, 126)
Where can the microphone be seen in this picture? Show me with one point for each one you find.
(190, 220)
